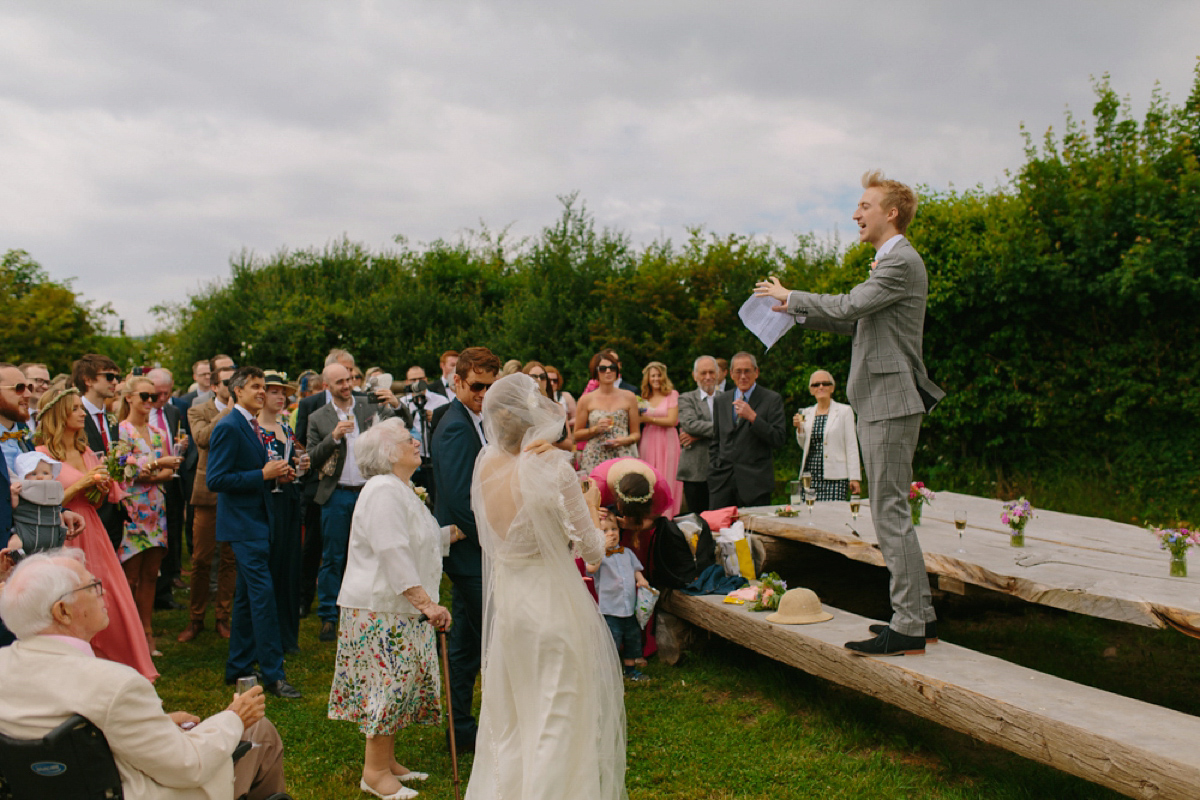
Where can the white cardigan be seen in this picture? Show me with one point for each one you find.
(395, 544)
(841, 442)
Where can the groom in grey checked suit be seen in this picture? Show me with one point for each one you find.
(889, 391)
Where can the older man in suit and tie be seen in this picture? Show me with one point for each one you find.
(165, 416)
(696, 432)
(890, 392)
(457, 440)
(333, 430)
(56, 607)
(748, 427)
(242, 476)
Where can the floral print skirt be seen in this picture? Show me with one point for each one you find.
(385, 676)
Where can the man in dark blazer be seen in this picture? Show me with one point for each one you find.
(240, 473)
(890, 392)
(332, 431)
(96, 377)
(457, 440)
(696, 432)
(748, 427)
(444, 385)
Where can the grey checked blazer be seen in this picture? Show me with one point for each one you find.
(695, 420)
(328, 457)
(885, 315)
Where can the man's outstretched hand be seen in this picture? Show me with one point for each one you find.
(772, 288)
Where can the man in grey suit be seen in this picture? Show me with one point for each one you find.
(889, 391)
(332, 431)
(748, 427)
(695, 433)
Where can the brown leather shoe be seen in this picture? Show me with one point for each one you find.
(191, 631)
(223, 629)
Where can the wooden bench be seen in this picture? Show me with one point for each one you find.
(1135, 748)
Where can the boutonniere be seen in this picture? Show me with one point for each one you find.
(874, 263)
(112, 420)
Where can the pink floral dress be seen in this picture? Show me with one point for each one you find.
(146, 503)
(659, 448)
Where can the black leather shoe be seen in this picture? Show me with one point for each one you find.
(889, 643)
(328, 632)
(931, 634)
(463, 742)
(281, 688)
(168, 604)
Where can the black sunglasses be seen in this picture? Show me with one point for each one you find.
(538, 376)
(112, 376)
(479, 387)
(147, 396)
(820, 383)
(19, 388)
(606, 368)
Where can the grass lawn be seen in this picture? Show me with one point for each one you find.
(728, 723)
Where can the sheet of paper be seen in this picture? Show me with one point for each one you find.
(759, 319)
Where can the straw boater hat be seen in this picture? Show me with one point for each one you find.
(799, 607)
(273, 378)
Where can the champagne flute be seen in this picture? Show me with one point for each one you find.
(806, 479)
(960, 524)
(855, 503)
(810, 497)
(272, 455)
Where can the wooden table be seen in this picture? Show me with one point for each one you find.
(1092, 566)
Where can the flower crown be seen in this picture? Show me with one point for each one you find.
(55, 398)
(627, 498)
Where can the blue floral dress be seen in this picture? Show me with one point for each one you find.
(145, 503)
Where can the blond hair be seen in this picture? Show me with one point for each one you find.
(52, 423)
(130, 388)
(667, 387)
(895, 195)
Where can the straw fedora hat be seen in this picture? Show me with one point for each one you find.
(799, 607)
(273, 378)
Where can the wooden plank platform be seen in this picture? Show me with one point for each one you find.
(1135, 748)
(1091, 566)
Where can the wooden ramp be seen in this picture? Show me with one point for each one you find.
(1084, 564)
(1135, 748)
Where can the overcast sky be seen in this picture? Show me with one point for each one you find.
(143, 144)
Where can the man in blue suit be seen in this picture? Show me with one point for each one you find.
(241, 475)
(457, 440)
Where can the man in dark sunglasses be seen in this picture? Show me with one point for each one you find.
(457, 439)
(14, 435)
(96, 377)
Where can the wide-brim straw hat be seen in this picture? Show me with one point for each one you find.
(799, 607)
(273, 378)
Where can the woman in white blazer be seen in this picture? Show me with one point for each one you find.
(831, 456)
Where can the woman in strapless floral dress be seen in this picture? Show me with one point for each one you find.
(607, 418)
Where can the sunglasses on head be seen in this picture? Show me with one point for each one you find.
(606, 368)
(815, 384)
(19, 388)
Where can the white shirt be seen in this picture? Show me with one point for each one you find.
(478, 420)
(708, 400)
(351, 476)
(217, 402)
(92, 411)
(888, 245)
(395, 544)
(433, 401)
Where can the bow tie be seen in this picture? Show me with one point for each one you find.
(612, 551)
(17, 433)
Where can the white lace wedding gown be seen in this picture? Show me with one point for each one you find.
(553, 719)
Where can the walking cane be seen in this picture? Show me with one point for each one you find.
(449, 710)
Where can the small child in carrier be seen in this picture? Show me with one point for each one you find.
(37, 505)
(618, 577)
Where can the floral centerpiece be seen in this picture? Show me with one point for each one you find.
(1016, 515)
(772, 589)
(786, 511)
(918, 495)
(1177, 540)
(122, 467)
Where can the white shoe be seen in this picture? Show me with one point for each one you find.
(403, 793)
(413, 776)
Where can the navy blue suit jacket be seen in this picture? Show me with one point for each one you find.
(455, 447)
(236, 457)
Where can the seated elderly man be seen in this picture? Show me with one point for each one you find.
(55, 606)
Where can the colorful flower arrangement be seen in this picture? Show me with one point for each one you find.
(121, 465)
(918, 494)
(786, 511)
(1177, 541)
(1016, 516)
(772, 588)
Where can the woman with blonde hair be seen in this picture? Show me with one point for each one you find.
(145, 541)
(660, 432)
(86, 482)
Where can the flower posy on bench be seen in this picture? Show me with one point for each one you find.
(1177, 540)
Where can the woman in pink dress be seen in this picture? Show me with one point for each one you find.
(61, 433)
(659, 446)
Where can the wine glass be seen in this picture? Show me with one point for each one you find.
(797, 493)
(855, 503)
(273, 455)
(960, 524)
(806, 479)
(810, 497)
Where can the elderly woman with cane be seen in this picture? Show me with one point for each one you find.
(386, 671)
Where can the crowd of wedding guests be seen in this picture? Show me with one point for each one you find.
(351, 490)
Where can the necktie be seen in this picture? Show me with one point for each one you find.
(103, 426)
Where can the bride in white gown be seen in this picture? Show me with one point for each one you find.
(552, 724)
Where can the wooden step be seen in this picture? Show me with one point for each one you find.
(1135, 748)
